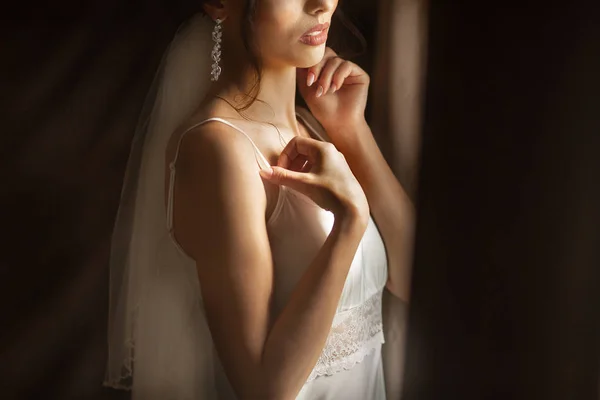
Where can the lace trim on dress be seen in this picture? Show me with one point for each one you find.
(351, 339)
(354, 334)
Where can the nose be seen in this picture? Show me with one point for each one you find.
(316, 7)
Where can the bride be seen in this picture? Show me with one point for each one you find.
(245, 262)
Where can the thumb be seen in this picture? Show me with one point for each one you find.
(286, 177)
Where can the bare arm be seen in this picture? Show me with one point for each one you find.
(390, 206)
(341, 114)
(219, 219)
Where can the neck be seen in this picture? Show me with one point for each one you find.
(276, 99)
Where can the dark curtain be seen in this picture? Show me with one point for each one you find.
(507, 266)
(74, 76)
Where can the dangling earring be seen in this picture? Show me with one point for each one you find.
(216, 51)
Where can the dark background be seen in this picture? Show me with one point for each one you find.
(505, 302)
(507, 267)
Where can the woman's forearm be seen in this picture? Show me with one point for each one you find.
(298, 335)
(390, 206)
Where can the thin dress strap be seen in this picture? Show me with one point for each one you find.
(300, 112)
(261, 158)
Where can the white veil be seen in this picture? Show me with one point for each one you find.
(159, 344)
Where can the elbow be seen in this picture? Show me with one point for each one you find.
(256, 391)
(252, 395)
(282, 391)
(266, 394)
(399, 290)
(400, 274)
(267, 389)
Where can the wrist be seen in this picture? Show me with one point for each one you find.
(348, 135)
(353, 218)
(351, 126)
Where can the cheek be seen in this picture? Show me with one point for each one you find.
(278, 25)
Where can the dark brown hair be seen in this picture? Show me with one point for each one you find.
(339, 42)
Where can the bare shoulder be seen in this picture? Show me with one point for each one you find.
(216, 147)
(201, 141)
(218, 188)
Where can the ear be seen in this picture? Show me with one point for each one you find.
(215, 9)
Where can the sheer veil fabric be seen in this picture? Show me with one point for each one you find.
(159, 343)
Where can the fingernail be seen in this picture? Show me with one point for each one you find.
(266, 173)
(320, 91)
(310, 79)
(332, 89)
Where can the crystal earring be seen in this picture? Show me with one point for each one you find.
(216, 51)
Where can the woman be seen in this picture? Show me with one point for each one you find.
(245, 263)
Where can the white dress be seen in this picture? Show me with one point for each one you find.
(350, 366)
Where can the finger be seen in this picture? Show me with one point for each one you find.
(341, 73)
(284, 160)
(281, 176)
(288, 154)
(312, 73)
(310, 149)
(307, 167)
(302, 83)
(325, 79)
(298, 163)
(301, 76)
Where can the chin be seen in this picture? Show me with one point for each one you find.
(311, 56)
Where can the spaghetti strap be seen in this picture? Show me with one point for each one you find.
(258, 152)
(308, 120)
(172, 164)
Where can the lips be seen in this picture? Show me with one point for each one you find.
(315, 30)
(316, 36)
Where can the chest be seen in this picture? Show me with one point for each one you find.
(298, 229)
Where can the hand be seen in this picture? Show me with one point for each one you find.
(343, 86)
(317, 170)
